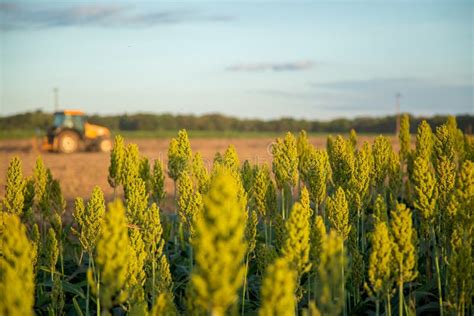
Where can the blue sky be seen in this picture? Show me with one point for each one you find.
(314, 60)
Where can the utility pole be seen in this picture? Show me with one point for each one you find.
(397, 112)
(56, 105)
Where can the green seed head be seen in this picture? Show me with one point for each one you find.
(51, 250)
(157, 182)
(219, 244)
(14, 188)
(380, 262)
(329, 293)
(16, 269)
(200, 173)
(338, 213)
(179, 155)
(260, 188)
(424, 141)
(278, 287)
(403, 236)
(404, 137)
(296, 246)
(341, 158)
(117, 156)
(285, 161)
(381, 150)
(231, 159)
(111, 259)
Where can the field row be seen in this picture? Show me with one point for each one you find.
(346, 227)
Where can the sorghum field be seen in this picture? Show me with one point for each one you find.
(355, 228)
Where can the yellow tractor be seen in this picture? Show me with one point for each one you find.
(71, 132)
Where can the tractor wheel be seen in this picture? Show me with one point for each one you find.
(68, 142)
(105, 145)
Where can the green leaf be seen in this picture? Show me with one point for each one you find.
(77, 307)
(73, 288)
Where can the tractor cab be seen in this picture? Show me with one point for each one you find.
(71, 132)
(69, 119)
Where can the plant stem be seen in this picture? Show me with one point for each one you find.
(270, 231)
(377, 307)
(88, 287)
(343, 282)
(266, 231)
(359, 230)
(98, 292)
(363, 231)
(175, 198)
(309, 287)
(400, 298)
(245, 284)
(438, 274)
(283, 202)
(190, 258)
(153, 293)
(181, 235)
(428, 256)
(389, 306)
(288, 209)
(97, 284)
(61, 258)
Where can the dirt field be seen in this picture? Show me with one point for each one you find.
(78, 173)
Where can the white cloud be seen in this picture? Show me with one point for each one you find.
(14, 16)
(281, 66)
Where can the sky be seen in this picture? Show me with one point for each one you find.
(250, 59)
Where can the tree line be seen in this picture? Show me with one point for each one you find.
(220, 123)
